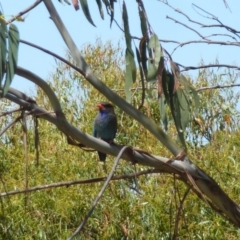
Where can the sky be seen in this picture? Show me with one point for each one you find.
(39, 29)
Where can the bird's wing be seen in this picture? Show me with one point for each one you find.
(114, 125)
(94, 129)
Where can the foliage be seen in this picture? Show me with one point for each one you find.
(8, 53)
(131, 207)
(127, 210)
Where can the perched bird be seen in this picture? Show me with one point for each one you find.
(105, 125)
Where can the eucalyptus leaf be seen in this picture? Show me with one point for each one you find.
(3, 48)
(155, 54)
(129, 56)
(99, 3)
(13, 43)
(163, 113)
(112, 11)
(85, 8)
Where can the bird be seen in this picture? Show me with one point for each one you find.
(105, 125)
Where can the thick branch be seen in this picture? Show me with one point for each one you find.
(43, 85)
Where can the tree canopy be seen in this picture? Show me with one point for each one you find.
(178, 134)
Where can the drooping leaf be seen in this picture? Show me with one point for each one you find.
(112, 11)
(75, 4)
(99, 3)
(184, 106)
(171, 83)
(155, 54)
(143, 54)
(13, 42)
(196, 99)
(178, 116)
(143, 42)
(129, 57)
(177, 103)
(86, 11)
(143, 22)
(142, 77)
(126, 27)
(163, 113)
(165, 85)
(160, 77)
(3, 48)
(191, 92)
(129, 75)
(176, 73)
(66, 1)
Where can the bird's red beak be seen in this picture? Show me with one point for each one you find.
(100, 106)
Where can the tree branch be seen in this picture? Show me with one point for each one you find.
(77, 182)
(18, 16)
(217, 86)
(187, 68)
(43, 85)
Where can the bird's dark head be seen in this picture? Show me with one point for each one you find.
(105, 107)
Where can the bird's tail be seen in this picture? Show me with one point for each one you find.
(102, 156)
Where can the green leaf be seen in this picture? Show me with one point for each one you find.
(142, 76)
(143, 23)
(3, 48)
(13, 42)
(143, 54)
(112, 11)
(129, 57)
(128, 77)
(160, 77)
(99, 3)
(184, 109)
(178, 115)
(163, 113)
(191, 93)
(130, 73)
(155, 54)
(165, 84)
(126, 27)
(86, 11)
(143, 42)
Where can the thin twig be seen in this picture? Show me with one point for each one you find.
(10, 112)
(16, 17)
(81, 226)
(230, 29)
(25, 143)
(237, 44)
(198, 90)
(187, 68)
(71, 183)
(54, 55)
(186, 26)
(178, 214)
(36, 138)
(10, 125)
(217, 86)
